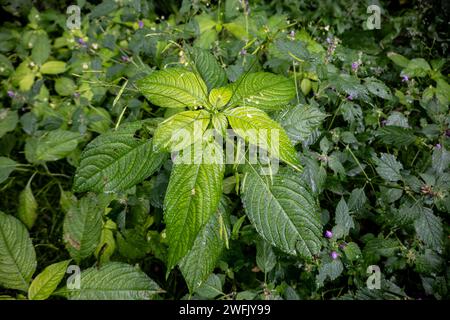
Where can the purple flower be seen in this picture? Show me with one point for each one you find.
(355, 66)
(438, 146)
(383, 122)
(329, 40)
(243, 52)
(350, 96)
(328, 234)
(334, 255)
(11, 94)
(140, 24)
(292, 34)
(82, 42)
(342, 245)
(405, 78)
(125, 58)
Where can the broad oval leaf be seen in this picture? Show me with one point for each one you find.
(181, 130)
(27, 210)
(53, 67)
(300, 121)
(51, 146)
(192, 196)
(116, 161)
(388, 167)
(208, 245)
(83, 226)
(257, 128)
(174, 88)
(7, 166)
(430, 230)
(47, 281)
(8, 121)
(113, 281)
(262, 90)
(284, 212)
(17, 255)
(209, 69)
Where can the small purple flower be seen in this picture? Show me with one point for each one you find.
(383, 122)
(329, 40)
(405, 78)
(125, 58)
(438, 146)
(328, 234)
(11, 94)
(82, 42)
(140, 24)
(342, 245)
(350, 97)
(243, 52)
(334, 255)
(355, 66)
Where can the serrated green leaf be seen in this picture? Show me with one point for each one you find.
(378, 88)
(181, 130)
(440, 160)
(113, 281)
(17, 255)
(8, 121)
(116, 161)
(396, 136)
(388, 167)
(27, 210)
(300, 121)
(344, 222)
(284, 212)
(174, 88)
(209, 245)
(208, 68)
(262, 90)
(192, 196)
(51, 146)
(349, 85)
(331, 270)
(357, 199)
(83, 226)
(41, 48)
(257, 128)
(7, 166)
(265, 257)
(47, 281)
(430, 230)
(352, 251)
(211, 288)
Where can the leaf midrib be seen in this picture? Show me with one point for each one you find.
(22, 277)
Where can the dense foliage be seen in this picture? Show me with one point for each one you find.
(93, 122)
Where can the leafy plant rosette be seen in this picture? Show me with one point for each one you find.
(280, 206)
